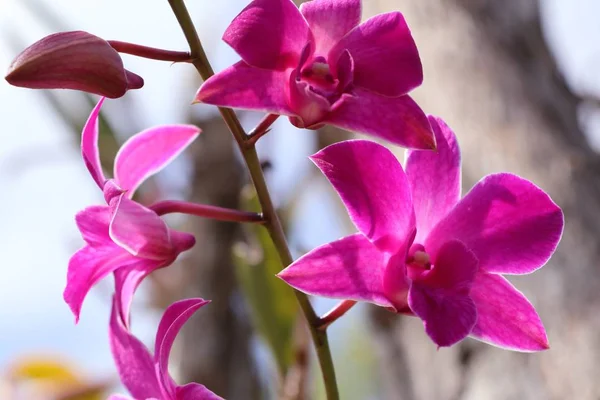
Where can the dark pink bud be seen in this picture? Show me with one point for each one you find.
(73, 60)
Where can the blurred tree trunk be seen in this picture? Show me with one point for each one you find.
(216, 349)
(490, 74)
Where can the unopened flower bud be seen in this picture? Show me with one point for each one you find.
(73, 60)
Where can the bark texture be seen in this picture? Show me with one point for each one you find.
(489, 73)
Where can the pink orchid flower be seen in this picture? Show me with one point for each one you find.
(318, 66)
(422, 250)
(125, 237)
(146, 376)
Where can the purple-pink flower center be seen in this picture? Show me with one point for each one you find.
(417, 261)
(329, 82)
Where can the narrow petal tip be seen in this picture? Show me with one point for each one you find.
(134, 81)
(198, 97)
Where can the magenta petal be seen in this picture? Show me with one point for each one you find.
(150, 151)
(454, 268)
(399, 119)
(88, 266)
(448, 317)
(348, 268)
(139, 230)
(440, 296)
(269, 34)
(249, 88)
(386, 60)
(505, 317)
(434, 178)
(89, 146)
(175, 316)
(510, 224)
(119, 397)
(134, 363)
(195, 391)
(330, 21)
(127, 280)
(93, 224)
(374, 189)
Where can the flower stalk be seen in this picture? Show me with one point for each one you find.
(260, 130)
(150, 52)
(335, 313)
(272, 222)
(205, 211)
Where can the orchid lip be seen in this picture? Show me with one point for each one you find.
(421, 259)
(321, 77)
(418, 257)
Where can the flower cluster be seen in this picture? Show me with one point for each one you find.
(420, 249)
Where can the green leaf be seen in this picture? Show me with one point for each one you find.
(272, 303)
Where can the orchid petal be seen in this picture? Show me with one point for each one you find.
(89, 146)
(434, 178)
(510, 224)
(386, 60)
(245, 87)
(127, 280)
(348, 268)
(133, 361)
(454, 268)
(374, 189)
(448, 317)
(175, 316)
(330, 21)
(440, 296)
(395, 282)
(269, 34)
(150, 151)
(505, 317)
(93, 224)
(120, 397)
(344, 69)
(111, 190)
(398, 120)
(139, 230)
(88, 266)
(195, 391)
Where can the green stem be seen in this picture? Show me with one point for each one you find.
(272, 222)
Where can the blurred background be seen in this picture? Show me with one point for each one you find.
(517, 80)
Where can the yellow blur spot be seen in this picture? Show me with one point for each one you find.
(50, 378)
